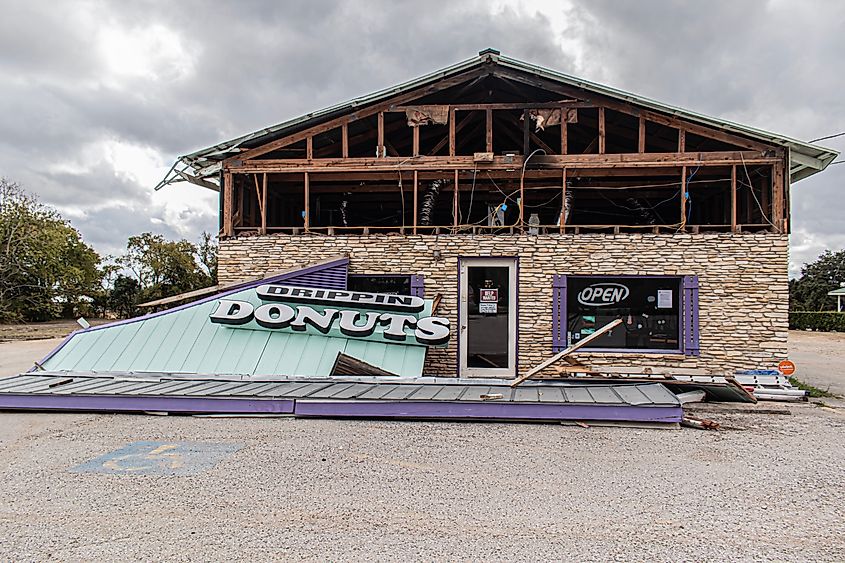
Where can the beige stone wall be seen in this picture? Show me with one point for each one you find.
(743, 296)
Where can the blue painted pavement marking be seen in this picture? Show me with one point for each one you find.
(159, 458)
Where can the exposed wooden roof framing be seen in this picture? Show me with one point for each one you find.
(203, 167)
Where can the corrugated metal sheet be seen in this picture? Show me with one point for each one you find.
(183, 340)
(338, 398)
(339, 389)
(807, 158)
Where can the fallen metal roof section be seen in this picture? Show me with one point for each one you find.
(201, 165)
(338, 398)
(183, 341)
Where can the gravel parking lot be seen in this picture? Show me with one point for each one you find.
(770, 487)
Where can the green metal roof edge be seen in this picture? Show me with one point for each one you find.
(806, 158)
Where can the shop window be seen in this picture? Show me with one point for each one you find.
(659, 313)
(398, 284)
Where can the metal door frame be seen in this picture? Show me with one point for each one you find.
(512, 263)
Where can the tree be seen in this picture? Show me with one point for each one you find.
(45, 267)
(123, 297)
(809, 292)
(163, 268)
(207, 255)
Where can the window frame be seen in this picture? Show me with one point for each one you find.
(688, 314)
(417, 281)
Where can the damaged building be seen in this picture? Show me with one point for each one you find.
(532, 208)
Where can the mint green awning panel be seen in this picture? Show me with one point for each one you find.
(184, 340)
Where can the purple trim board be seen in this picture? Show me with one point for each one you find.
(344, 409)
(331, 280)
(125, 403)
(490, 410)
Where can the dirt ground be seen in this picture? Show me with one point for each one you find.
(819, 359)
(10, 332)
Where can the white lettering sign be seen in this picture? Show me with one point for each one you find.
(381, 301)
(603, 294)
(428, 331)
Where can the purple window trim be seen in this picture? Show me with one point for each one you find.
(687, 308)
(461, 260)
(418, 285)
(417, 281)
(339, 263)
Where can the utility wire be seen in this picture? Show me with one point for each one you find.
(828, 137)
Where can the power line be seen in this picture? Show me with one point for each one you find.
(828, 137)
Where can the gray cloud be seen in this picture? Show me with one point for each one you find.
(176, 76)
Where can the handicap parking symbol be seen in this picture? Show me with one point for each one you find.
(159, 458)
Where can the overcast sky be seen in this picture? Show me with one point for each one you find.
(98, 98)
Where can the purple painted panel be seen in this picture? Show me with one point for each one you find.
(129, 403)
(559, 325)
(499, 411)
(418, 285)
(301, 276)
(690, 317)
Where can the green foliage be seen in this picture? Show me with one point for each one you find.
(809, 292)
(825, 321)
(45, 267)
(124, 295)
(163, 268)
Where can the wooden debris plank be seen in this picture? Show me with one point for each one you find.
(606, 328)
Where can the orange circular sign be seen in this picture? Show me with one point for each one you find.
(786, 367)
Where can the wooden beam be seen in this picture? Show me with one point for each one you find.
(380, 141)
(683, 197)
(489, 130)
(452, 131)
(682, 140)
(733, 198)
(563, 201)
(499, 106)
(309, 148)
(228, 202)
(526, 132)
(564, 132)
(571, 161)
(416, 191)
(354, 116)
(307, 219)
(444, 140)
(344, 140)
(455, 201)
(561, 355)
(641, 136)
(602, 131)
(780, 207)
(416, 141)
(264, 206)
(631, 109)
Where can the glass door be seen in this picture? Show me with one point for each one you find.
(488, 317)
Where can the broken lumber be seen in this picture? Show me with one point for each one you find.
(606, 328)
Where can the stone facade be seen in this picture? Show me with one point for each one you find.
(743, 295)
